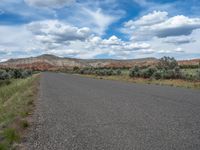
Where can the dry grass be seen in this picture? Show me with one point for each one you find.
(172, 82)
(16, 103)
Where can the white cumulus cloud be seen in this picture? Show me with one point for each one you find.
(159, 24)
(150, 19)
(57, 32)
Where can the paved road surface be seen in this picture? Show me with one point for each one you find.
(77, 113)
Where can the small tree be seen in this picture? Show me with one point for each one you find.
(167, 63)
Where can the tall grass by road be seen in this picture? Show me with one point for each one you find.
(16, 103)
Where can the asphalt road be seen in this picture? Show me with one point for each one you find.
(77, 113)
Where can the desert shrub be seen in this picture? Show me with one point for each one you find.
(158, 74)
(17, 73)
(75, 69)
(189, 66)
(177, 72)
(147, 73)
(11, 73)
(168, 74)
(81, 71)
(198, 75)
(118, 72)
(102, 72)
(168, 68)
(167, 63)
(131, 73)
(21, 73)
(144, 73)
(134, 72)
(14, 73)
(24, 74)
(187, 76)
(136, 69)
(84, 70)
(109, 72)
(4, 75)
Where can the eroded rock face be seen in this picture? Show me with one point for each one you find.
(51, 62)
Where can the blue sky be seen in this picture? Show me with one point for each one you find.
(87, 29)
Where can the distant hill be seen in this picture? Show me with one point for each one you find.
(51, 62)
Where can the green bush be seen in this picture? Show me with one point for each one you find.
(189, 66)
(168, 74)
(118, 72)
(134, 72)
(109, 72)
(167, 63)
(198, 75)
(177, 72)
(11, 73)
(158, 74)
(187, 76)
(81, 71)
(147, 73)
(4, 75)
(76, 69)
(24, 74)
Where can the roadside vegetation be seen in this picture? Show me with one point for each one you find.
(6, 74)
(18, 89)
(167, 68)
(166, 72)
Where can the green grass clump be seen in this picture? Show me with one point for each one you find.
(16, 102)
(8, 137)
(11, 135)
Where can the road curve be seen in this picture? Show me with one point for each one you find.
(77, 113)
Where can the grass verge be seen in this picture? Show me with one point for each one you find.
(16, 103)
(170, 82)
